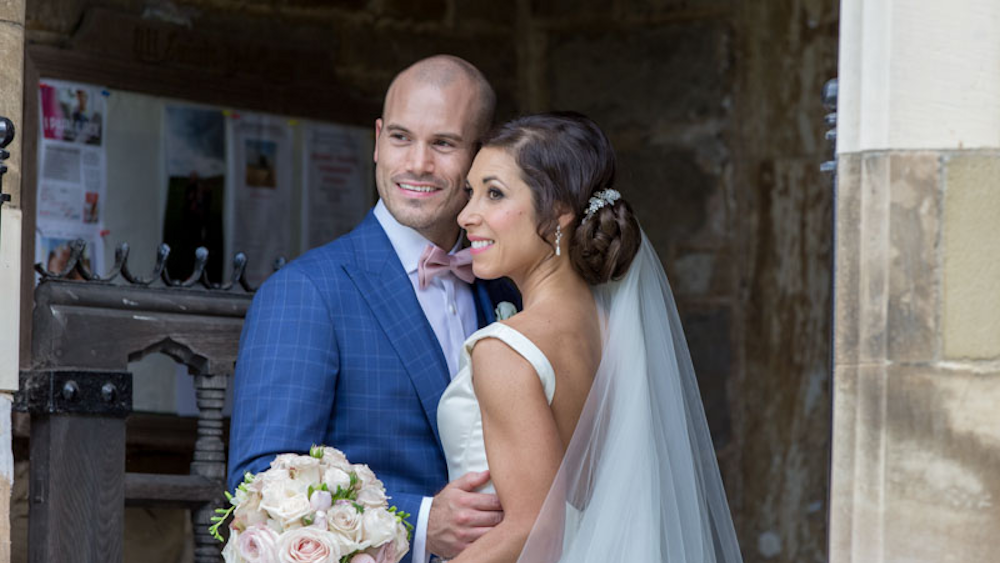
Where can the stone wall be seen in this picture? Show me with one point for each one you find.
(788, 50)
(917, 355)
(11, 83)
(714, 109)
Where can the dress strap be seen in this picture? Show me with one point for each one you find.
(520, 344)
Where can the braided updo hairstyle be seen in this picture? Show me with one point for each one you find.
(566, 159)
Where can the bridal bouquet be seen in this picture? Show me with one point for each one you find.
(316, 508)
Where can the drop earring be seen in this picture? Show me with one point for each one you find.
(558, 240)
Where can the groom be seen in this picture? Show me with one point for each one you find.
(352, 344)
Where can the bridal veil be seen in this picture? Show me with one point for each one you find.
(639, 481)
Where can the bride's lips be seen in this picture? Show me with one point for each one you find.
(417, 189)
(480, 244)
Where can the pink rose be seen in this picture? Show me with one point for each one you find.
(385, 554)
(309, 545)
(230, 553)
(258, 544)
(363, 558)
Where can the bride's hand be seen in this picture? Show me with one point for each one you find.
(459, 515)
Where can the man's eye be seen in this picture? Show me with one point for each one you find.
(397, 136)
(444, 144)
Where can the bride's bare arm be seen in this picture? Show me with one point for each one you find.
(522, 445)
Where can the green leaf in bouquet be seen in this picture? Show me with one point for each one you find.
(219, 520)
(316, 451)
(359, 508)
(226, 512)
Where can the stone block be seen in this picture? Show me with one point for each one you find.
(12, 11)
(626, 78)
(569, 8)
(971, 316)
(847, 283)
(914, 471)
(493, 13)
(11, 103)
(857, 468)
(874, 251)
(914, 230)
(692, 273)
(416, 10)
(669, 192)
(662, 8)
(942, 489)
(58, 16)
(391, 48)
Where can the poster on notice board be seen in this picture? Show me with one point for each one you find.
(72, 172)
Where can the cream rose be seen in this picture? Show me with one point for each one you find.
(335, 477)
(309, 545)
(378, 526)
(285, 500)
(401, 544)
(372, 497)
(345, 520)
(230, 553)
(332, 457)
(366, 477)
(258, 544)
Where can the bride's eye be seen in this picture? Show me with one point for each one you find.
(468, 190)
(494, 193)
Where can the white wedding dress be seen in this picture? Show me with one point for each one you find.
(460, 422)
(639, 480)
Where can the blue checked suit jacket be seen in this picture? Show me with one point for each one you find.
(336, 350)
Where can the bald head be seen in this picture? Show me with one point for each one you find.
(443, 71)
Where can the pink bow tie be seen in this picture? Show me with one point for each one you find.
(434, 262)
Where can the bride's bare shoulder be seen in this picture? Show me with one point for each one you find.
(568, 336)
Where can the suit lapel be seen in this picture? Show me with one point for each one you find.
(484, 304)
(382, 282)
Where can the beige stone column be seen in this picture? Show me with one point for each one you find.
(11, 106)
(916, 443)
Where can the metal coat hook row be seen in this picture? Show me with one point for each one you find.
(199, 277)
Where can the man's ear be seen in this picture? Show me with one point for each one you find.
(378, 131)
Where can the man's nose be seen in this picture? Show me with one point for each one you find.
(420, 159)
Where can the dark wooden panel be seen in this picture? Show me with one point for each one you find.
(189, 491)
(102, 326)
(76, 489)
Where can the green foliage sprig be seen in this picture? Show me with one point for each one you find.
(223, 514)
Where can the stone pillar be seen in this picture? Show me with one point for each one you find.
(11, 88)
(916, 439)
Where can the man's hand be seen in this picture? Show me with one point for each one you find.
(459, 516)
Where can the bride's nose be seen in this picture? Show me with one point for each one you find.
(468, 216)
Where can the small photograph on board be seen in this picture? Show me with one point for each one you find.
(90, 214)
(72, 113)
(54, 254)
(260, 156)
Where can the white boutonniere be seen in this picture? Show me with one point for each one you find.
(505, 310)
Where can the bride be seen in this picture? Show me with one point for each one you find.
(584, 406)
